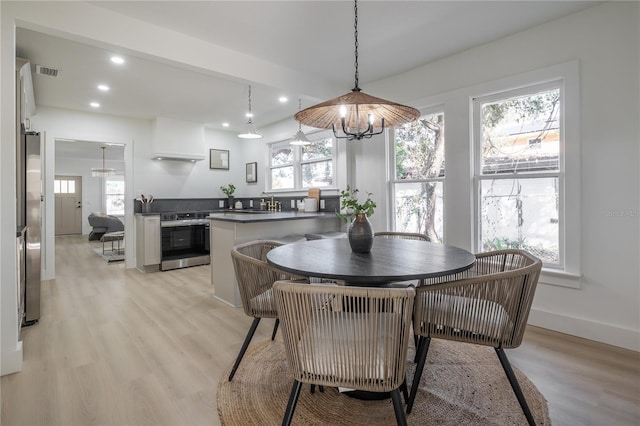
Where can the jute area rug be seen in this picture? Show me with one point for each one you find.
(462, 384)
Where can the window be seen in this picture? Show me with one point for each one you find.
(301, 167)
(64, 186)
(418, 177)
(114, 195)
(518, 162)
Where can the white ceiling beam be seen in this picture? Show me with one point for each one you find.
(89, 24)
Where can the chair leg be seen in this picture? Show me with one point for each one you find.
(405, 391)
(418, 342)
(291, 405)
(401, 419)
(275, 328)
(247, 340)
(515, 385)
(313, 388)
(422, 357)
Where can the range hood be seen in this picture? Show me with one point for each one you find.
(177, 140)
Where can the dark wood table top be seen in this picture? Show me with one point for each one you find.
(390, 260)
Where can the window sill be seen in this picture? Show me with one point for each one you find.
(560, 278)
(302, 192)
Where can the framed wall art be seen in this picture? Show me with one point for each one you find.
(252, 172)
(219, 159)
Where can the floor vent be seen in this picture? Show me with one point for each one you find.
(51, 72)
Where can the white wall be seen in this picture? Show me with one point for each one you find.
(183, 179)
(10, 347)
(605, 42)
(370, 175)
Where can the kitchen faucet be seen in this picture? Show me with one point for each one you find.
(273, 205)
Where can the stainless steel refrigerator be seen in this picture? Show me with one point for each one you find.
(29, 216)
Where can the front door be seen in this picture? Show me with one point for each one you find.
(68, 193)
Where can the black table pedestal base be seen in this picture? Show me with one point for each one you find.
(367, 396)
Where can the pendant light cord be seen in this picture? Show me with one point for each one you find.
(250, 102)
(355, 34)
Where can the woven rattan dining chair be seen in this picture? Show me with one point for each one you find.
(255, 281)
(403, 235)
(355, 337)
(487, 305)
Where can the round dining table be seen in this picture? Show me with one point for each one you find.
(390, 260)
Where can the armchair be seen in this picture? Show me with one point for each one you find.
(355, 337)
(486, 305)
(103, 224)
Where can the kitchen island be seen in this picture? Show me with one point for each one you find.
(238, 226)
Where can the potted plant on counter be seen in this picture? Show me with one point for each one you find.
(228, 191)
(360, 232)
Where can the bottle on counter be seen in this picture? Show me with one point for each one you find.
(238, 205)
(263, 205)
(301, 205)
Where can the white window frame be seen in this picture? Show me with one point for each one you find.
(58, 182)
(461, 224)
(559, 174)
(567, 76)
(392, 170)
(298, 162)
(105, 180)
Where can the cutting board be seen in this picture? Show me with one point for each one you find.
(315, 193)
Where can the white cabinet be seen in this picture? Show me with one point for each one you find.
(25, 100)
(148, 243)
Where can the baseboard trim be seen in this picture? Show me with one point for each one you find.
(225, 302)
(599, 332)
(11, 360)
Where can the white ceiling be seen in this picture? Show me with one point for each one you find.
(311, 37)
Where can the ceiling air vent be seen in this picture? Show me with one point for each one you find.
(51, 72)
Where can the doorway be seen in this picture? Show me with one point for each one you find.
(68, 205)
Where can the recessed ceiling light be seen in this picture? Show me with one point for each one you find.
(95, 104)
(283, 99)
(117, 60)
(103, 87)
(225, 124)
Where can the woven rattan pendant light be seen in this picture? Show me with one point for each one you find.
(356, 115)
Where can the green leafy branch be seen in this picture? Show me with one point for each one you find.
(349, 203)
(228, 190)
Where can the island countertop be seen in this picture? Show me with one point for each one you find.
(262, 216)
(235, 227)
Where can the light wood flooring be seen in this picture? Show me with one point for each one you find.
(120, 347)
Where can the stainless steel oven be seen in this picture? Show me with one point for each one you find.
(185, 241)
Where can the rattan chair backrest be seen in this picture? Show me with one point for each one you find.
(488, 304)
(353, 337)
(403, 235)
(255, 277)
